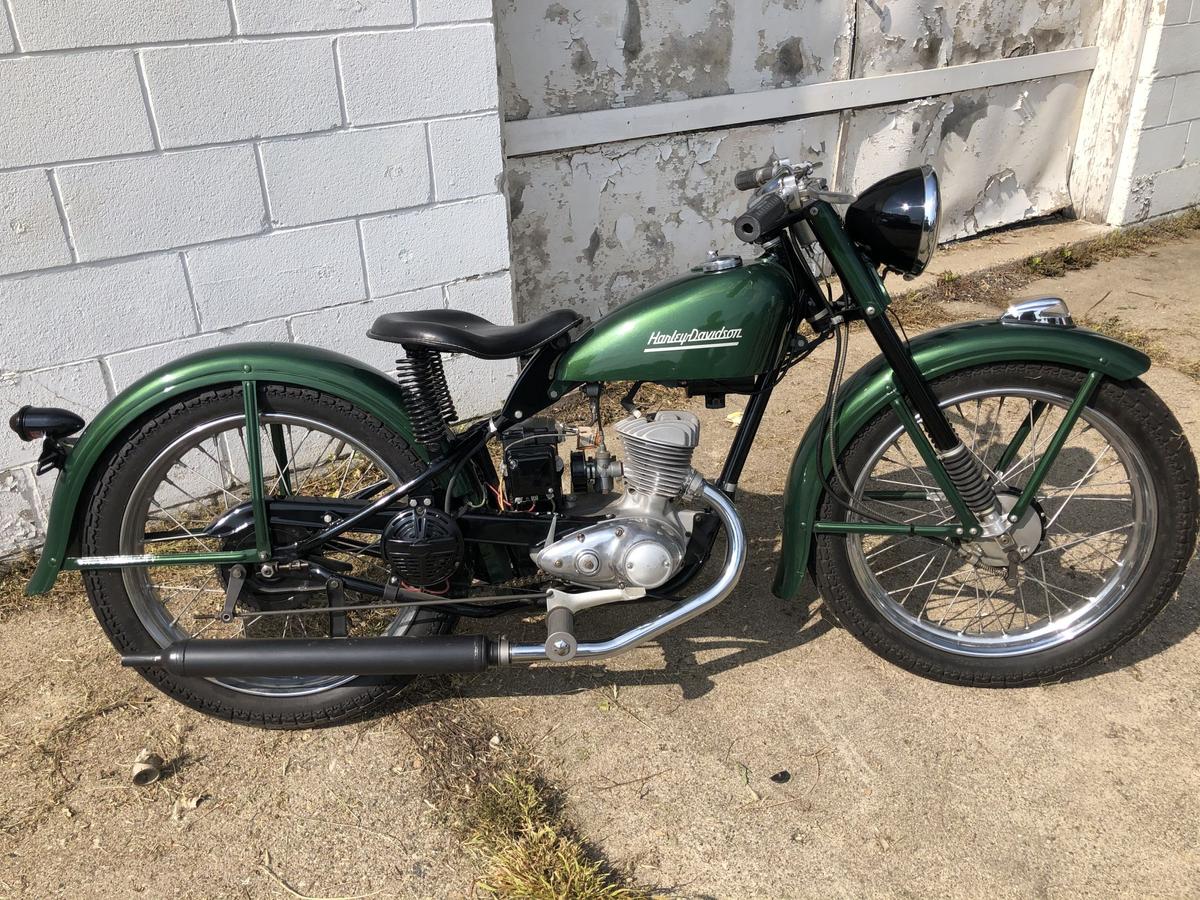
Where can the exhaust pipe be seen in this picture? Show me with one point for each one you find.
(433, 655)
(342, 656)
(735, 561)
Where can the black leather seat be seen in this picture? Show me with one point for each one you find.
(455, 331)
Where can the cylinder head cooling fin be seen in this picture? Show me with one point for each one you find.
(658, 452)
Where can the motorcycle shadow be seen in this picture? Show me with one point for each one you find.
(749, 626)
(1177, 621)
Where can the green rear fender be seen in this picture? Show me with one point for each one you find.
(291, 364)
(937, 353)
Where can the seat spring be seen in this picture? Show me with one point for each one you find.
(425, 393)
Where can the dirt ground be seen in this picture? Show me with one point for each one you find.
(885, 784)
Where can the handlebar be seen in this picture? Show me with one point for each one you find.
(750, 179)
(765, 215)
(781, 188)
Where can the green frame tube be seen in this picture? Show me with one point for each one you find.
(967, 523)
(258, 498)
(966, 519)
(933, 531)
(1090, 383)
(233, 364)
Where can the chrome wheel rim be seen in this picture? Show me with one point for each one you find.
(201, 474)
(1099, 515)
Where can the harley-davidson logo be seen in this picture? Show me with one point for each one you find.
(662, 341)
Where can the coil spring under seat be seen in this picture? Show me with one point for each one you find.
(425, 393)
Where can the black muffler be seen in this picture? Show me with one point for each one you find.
(329, 656)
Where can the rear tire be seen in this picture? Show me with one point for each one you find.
(109, 593)
(1157, 436)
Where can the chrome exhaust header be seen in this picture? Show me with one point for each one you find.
(735, 561)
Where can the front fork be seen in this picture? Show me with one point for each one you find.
(956, 469)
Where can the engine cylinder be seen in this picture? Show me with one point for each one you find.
(658, 452)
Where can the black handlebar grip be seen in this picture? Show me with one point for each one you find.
(764, 217)
(747, 179)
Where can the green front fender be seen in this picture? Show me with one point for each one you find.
(936, 353)
(278, 363)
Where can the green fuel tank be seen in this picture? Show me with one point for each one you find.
(713, 323)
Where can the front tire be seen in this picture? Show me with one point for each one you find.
(180, 467)
(1104, 556)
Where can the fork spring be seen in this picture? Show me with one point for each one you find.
(964, 470)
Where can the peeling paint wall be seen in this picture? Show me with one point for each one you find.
(960, 135)
(559, 57)
(927, 34)
(592, 227)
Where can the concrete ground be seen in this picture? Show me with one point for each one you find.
(898, 785)
(884, 783)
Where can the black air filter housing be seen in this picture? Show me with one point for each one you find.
(532, 466)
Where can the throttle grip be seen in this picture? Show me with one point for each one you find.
(765, 216)
(749, 179)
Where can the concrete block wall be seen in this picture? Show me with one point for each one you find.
(1159, 168)
(175, 176)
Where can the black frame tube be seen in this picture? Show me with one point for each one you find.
(863, 286)
(912, 384)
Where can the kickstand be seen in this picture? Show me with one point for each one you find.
(336, 595)
(233, 590)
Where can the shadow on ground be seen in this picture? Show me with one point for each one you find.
(748, 627)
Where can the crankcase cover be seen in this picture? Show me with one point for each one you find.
(626, 552)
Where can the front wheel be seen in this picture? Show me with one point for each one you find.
(1111, 531)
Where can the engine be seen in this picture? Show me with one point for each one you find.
(642, 545)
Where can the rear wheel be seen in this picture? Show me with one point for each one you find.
(185, 466)
(1103, 549)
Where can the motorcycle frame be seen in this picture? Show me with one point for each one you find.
(899, 378)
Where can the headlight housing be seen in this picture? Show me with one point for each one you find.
(896, 220)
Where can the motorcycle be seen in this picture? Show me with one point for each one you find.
(283, 536)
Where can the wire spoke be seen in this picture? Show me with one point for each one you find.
(1078, 485)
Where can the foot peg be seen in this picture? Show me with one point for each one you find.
(561, 607)
(560, 634)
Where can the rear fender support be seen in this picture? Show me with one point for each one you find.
(936, 353)
(233, 365)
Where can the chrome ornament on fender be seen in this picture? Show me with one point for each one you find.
(1039, 311)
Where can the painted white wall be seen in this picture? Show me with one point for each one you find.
(1158, 171)
(178, 174)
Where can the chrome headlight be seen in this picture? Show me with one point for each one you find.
(896, 220)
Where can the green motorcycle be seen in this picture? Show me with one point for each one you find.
(283, 536)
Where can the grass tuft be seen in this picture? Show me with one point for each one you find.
(928, 307)
(997, 285)
(529, 851)
(490, 793)
(1059, 262)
